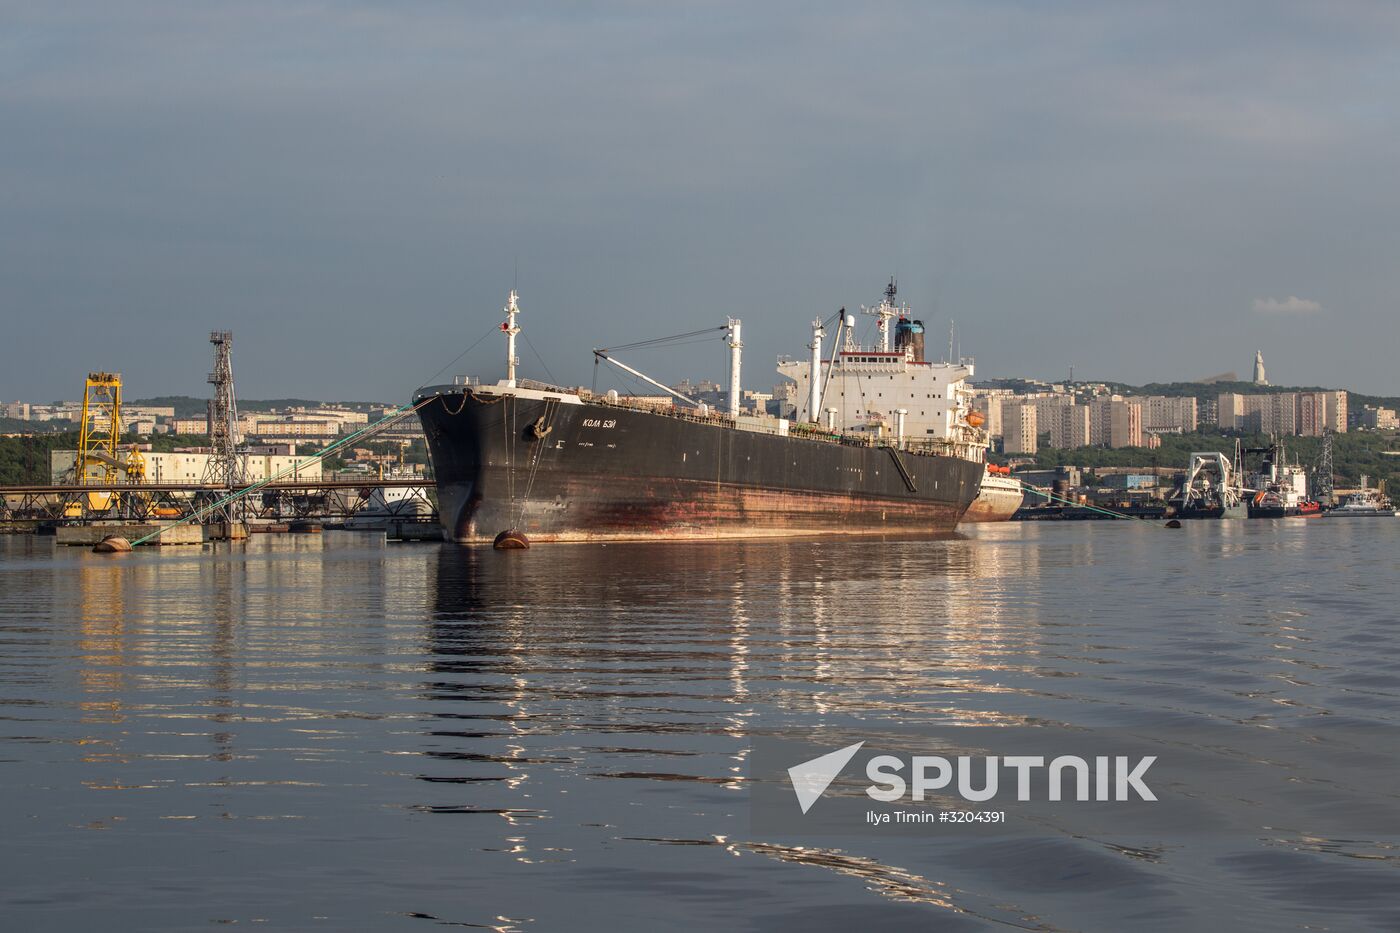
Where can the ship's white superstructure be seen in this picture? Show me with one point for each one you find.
(885, 392)
(1281, 482)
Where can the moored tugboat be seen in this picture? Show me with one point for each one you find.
(1365, 503)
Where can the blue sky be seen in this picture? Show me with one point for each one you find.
(1148, 192)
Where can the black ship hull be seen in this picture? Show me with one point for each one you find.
(560, 470)
(1177, 510)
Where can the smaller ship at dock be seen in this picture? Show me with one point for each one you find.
(1365, 503)
(1279, 489)
(1000, 496)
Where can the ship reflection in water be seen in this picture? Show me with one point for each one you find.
(302, 728)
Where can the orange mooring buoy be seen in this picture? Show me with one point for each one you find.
(511, 540)
(112, 544)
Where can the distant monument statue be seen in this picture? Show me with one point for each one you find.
(1260, 379)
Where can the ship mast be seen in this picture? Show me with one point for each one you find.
(814, 403)
(511, 329)
(884, 311)
(736, 348)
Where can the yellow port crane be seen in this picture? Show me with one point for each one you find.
(97, 459)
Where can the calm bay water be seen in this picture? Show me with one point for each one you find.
(328, 731)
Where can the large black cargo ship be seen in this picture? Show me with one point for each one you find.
(568, 465)
(561, 468)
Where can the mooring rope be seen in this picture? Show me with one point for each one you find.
(314, 458)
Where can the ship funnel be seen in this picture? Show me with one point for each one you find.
(909, 335)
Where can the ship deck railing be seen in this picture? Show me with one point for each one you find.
(940, 447)
(973, 448)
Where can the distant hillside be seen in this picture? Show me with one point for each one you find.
(17, 426)
(1203, 391)
(188, 407)
(1207, 391)
(26, 459)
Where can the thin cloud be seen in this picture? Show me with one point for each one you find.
(1290, 305)
(333, 159)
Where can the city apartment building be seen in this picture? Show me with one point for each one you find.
(1284, 413)
(1019, 428)
(189, 466)
(1372, 418)
(1163, 414)
(1069, 426)
(1115, 422)
(198, 425)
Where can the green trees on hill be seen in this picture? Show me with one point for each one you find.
(26, 459)
(1210, 391)
(20, 426)
(187, 406)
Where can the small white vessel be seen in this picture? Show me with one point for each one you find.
(1364, 503)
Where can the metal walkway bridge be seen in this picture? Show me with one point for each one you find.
(280, 499)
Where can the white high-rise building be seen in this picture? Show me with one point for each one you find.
(1284, 413)
(1163, 414)
(1019, 428)
(1115, 422)
(1070, 426)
